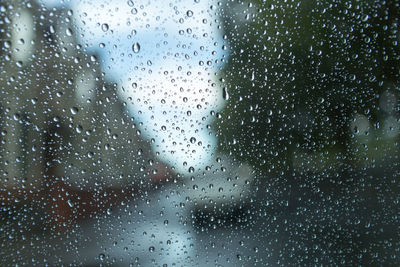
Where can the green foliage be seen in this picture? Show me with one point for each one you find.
(300, 71)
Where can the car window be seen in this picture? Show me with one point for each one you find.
(201, 132)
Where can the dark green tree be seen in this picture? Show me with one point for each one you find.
(299, 72)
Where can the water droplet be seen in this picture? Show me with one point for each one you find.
(79, 129)
(102, 256)
(69, 32)
(151, 249)
(104, 27)
(225, 93)
(16, 116)
(189, 13)
(136, 47)
(70, 203)
(192, 140)
(7, 44)
(51, 28)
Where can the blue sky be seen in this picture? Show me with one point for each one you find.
(170, 83)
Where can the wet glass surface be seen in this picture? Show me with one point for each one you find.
(198, 133)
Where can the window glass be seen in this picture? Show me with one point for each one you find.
(199, 132)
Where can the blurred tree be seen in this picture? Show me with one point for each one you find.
(299, 73)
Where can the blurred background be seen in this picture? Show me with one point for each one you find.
(180, 133)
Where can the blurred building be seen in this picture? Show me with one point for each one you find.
(62, 126)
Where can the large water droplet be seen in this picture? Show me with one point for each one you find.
(225, 93)
(7, 44)
(104, 27)
(74, 110)
(69, 32)
(102, 256)
(79, 129)
(136, 47)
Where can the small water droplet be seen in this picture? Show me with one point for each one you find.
(189, 13)
(69, 201)
(151, 249)
(52, 29)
